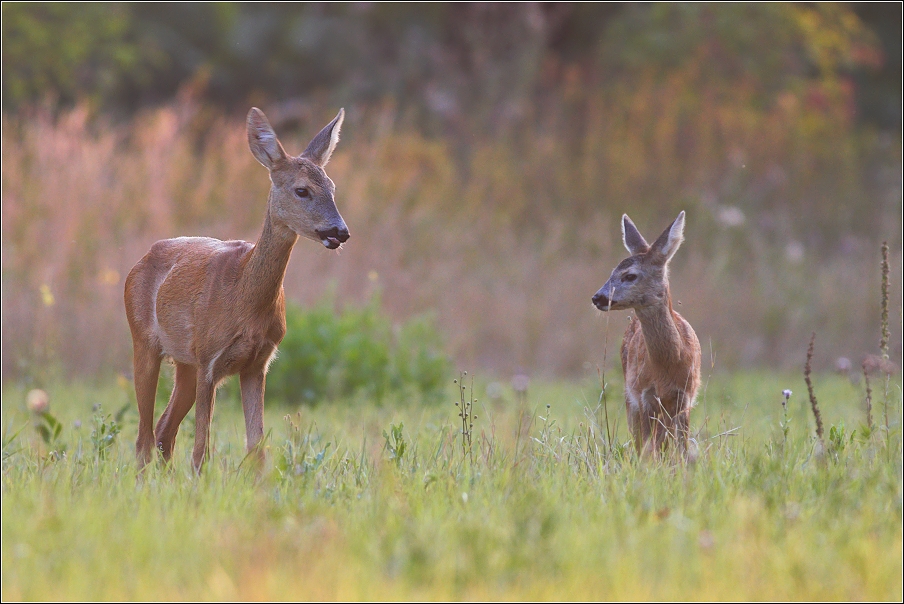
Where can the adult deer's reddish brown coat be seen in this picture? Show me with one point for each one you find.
(217, 308)
(660, 353)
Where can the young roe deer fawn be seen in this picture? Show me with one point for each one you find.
(660, 353)
(217, 308)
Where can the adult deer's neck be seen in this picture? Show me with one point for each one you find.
(265, 270)
(660, 332)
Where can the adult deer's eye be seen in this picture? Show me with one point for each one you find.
(302, 193)
(629, 277)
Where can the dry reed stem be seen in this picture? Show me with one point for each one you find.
(813, 403)
(869, 398)
(883, 342)
(604, 401)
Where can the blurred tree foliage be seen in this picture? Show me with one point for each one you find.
(62, 52)
(446, 63)
(772, 44)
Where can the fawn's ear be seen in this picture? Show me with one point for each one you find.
(670, 240)
(321, 146)
(262, 140)
(634, 241)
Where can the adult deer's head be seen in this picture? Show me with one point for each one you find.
(301, 194)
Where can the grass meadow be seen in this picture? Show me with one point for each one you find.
(548, 501)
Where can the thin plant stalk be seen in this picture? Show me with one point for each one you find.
(883, 342)
(465, 412)
(786, 421)
(813, 403)
(603, 401)
(869, 399)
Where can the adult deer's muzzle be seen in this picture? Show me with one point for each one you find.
(333, 237)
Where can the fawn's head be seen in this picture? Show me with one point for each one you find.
(301, 194)
(642, 279)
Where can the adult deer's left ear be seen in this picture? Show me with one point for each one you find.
(321, 146)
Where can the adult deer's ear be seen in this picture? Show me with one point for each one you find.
(634, 241)
(262, 140)
(670, 240)
(321, 146)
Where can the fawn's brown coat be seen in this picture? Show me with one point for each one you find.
(660, 352)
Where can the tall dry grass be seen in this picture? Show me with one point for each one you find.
(503, 234)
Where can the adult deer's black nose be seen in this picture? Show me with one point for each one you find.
(335, 233)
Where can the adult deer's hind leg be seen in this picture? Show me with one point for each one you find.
(181, 400)
(206, 393)
(146, 364)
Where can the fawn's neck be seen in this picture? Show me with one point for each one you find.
(660, 332)
(265, 270)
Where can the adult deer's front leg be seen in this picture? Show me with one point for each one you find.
(206, 393)
(253, 406)
(146, 364)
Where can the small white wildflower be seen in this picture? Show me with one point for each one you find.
(730, 216)
(37, 401)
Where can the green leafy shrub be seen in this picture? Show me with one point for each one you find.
(357, 351)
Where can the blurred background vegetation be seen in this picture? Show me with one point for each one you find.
(487, 157)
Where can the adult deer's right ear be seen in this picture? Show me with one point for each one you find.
(634, 241)
(262, 139)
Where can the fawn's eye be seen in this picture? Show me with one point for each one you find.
(629, 277)
(302, 193)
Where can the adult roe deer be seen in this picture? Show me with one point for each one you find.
(217, 308)
(660, 353)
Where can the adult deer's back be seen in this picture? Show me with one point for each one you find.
(217, 308)
(660, 352)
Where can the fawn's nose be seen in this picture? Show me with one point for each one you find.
(601, 301)
(341, 234)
